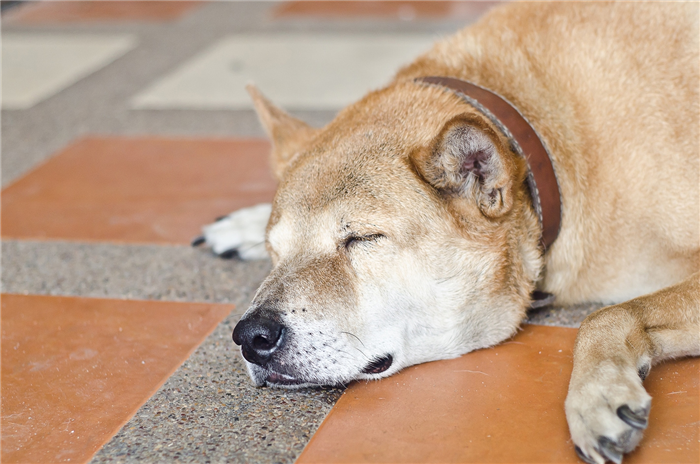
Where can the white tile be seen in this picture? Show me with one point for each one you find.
(37, 66)
(295, 71)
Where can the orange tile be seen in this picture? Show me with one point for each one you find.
(147, 190)
(504, 404)
(100, 10)
(74, 370)
(399, 9)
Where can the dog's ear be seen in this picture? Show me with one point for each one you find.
(467, 160)
(287, 133)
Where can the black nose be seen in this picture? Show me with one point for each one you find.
(258, 337)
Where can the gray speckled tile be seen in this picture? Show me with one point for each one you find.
(175, 273)
(562, 316)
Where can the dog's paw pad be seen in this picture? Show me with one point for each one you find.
(607, 414)
(240, 234)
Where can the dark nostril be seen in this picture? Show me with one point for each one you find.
(258, 337)
(262, 342)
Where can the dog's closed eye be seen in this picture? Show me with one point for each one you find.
(353, 240)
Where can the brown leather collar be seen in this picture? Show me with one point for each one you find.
(541, 179)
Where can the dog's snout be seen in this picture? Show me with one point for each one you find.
(259, 337)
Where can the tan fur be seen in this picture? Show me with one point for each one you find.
(613, 91)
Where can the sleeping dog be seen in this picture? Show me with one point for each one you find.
(550, 147)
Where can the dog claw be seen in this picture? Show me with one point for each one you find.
(220, 218)
(631, 418)
(610, 450)
(229, 254)
(583, 455)
(198, 241)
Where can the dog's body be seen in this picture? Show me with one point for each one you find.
(403, 232)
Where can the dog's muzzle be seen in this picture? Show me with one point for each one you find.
(259, 337)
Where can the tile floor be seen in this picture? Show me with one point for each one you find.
(38, 66)
(300, 70)
(141, 190)
(124, 128)
(397, 10)
(96, 11)
(74, 370)
(508, 400)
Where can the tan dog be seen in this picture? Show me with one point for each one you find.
(404, 231)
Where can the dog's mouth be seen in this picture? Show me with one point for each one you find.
(376, 366)
(379, 365)
(276, 378)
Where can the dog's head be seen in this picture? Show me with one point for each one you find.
(400, 233)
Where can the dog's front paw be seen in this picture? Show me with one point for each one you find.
(241, 233)
(607, 410)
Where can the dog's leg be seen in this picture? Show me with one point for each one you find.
(607, 407)
(241, 233)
